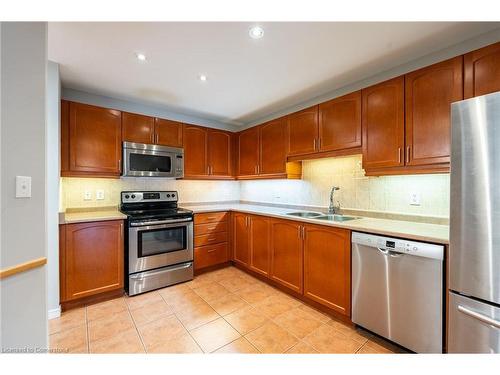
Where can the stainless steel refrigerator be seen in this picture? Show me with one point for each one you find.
(474, 272)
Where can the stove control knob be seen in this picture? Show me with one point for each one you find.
(173, 195)
(133, 196)
(168, 195)
(127, 196)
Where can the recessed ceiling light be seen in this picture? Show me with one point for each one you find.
(140, 56)
(202, 77)
(256, 32)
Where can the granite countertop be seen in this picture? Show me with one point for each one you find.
(435, 233)
(75, 215)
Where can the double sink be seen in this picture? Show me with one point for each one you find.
(321, 216)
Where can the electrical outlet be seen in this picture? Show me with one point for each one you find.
(99, 194)
(415, 199)
(87, 195)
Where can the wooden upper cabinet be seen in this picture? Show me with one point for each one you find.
(429, 94)
(195, 151)
(168, 133)
(287, 254)
(92, 259)
(259, 235)
(327, 267)
(383, 124)
(273, 135)
(64, 137)
(219, 153)
(94, 140)
(137, 128)
(241, 249)
(340, 123)
(482, 71)
(303, 131)
(248, 152)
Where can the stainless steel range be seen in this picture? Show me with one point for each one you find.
(159, 240)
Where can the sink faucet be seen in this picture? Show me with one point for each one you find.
(332, 209)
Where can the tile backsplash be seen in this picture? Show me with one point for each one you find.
(386, 194)
(73, 190)
(357, 191)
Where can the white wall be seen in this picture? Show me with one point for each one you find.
(385, 194)
(23, 297)
(52, 165)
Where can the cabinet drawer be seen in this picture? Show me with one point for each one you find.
(210, 239)
(201, 229)
(207, 256)
(210, 217)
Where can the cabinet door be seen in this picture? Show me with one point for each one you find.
(303, 131)
(94, 139)
(241, 251)
(168, 133)
(219, 153)
(340, 123)
(383, 124)
(137, 128)
(429, 94)
(248, 152)
(273, 147)
(482, 71)
(286, 254)
(195, 151)
(327, 267)
(93, 258)
(64, 137)
(259, 244)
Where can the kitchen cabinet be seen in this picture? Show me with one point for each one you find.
(207, 153)
(91, 259)
(482, 71)
(262, 152)
(219, 153)
(168, 133)
(138, 128)
(94, 141)
(383, 124)
(248, 152)
(327, 267)
(429, 94)
(211, 239)
(64, 137)
(287, 254)
(303, 131)
(340, 123)
(259, 235)
(241, 252)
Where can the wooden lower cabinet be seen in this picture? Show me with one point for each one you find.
(287, 254)
(327, 267)
(259, 235)
(91, 259)
(241, 252)
(211, 239)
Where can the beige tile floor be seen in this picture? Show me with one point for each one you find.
(225, 311)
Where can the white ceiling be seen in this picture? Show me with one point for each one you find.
(247, 79)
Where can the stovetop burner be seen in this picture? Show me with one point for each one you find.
(158, 205)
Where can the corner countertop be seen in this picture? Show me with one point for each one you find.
(72, 216)
(434, 233)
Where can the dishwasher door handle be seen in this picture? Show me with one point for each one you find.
(393, 254)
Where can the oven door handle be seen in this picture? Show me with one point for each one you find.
(172, 221)
(143, 275)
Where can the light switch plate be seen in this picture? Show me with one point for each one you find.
(87, 195)
(415, 198)
(99, 194)
(23, 186)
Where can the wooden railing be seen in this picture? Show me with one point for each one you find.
(22, 267)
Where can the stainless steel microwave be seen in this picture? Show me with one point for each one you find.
(143, 160)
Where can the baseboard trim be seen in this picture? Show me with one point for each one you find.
(54, 313)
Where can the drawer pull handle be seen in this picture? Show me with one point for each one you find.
(212, 239)
(211, 251)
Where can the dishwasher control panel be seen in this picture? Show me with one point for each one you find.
(399, 246)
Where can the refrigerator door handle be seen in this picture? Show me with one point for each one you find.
(480, 317)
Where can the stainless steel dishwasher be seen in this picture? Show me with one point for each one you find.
(397, 290)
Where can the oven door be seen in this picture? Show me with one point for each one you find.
(152, 161)
(160, 245)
